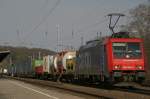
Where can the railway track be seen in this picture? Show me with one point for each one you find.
(126, 87)
(147, 83)
(134, 90)
(100, 93)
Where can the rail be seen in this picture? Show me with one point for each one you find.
(96, 92)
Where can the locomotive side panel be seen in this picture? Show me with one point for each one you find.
(92, 62)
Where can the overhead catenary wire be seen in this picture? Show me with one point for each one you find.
(79, 32)
(99, 22)
(82, 30)
(19, 30)
(91, 26)
(73, 31)
(96, 24)
(44, 18)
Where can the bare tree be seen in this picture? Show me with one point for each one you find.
(140, 20)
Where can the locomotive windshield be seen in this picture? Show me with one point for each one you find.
(126, 50)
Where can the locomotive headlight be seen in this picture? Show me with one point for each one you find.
(127, 56)
(139, 67)
(117, 67)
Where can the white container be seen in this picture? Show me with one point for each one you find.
(67, 56)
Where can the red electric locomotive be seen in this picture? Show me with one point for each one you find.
(125, 58)
(118, 57)
(115, 58)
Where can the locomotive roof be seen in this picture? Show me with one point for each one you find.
(120, 35)
(92, 43)
(102, 40)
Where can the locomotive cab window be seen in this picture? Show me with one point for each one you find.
(126, 50)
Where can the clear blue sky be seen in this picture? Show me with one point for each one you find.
(20, 19)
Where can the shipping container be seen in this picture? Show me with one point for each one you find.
(37, 63)
(69, 61)
(46, 64)
(39, 70)
(21, 68)
(52, 66)
(58, 64)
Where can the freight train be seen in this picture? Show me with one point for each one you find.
(115, 58)
(108, 59)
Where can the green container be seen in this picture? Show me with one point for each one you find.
(37, 63)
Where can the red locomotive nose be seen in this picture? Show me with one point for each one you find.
(128, 64)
